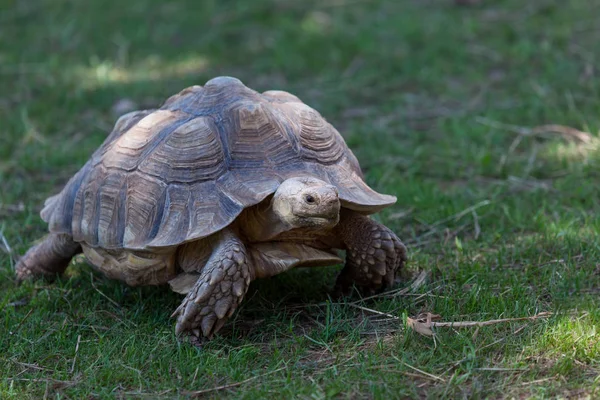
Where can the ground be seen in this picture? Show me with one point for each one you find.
(483, 120)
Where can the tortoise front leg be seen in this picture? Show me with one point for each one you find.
(374, 254)
(220, 288)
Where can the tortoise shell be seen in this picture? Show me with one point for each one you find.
(186, 170)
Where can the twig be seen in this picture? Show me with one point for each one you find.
(424, 327)
(232, 385)
(76, 351)
(465, 324)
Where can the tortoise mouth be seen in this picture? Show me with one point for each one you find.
(327, 219)
(320, 216)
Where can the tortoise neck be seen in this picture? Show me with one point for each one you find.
(261, 223)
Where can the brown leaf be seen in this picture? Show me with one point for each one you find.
(422, 328)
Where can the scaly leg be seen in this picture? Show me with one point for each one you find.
(219, 290)
(48, 258)
(374, 254)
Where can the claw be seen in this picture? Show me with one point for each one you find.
(238, 257)
(177, 310)
(179, 328)
(380, 255)
(387, 245)
(217, 275)
(389, 280)
(222, 307)
(219, 325)
(380, 268)
(207, 324)
(203, 293)
(238, 288)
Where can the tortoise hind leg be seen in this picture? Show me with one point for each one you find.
(48, 258)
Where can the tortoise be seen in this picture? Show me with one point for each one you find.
(218, 187)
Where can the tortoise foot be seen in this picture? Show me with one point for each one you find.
(220, 289)
(48, 259)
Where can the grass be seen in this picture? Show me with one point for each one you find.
(439, 103)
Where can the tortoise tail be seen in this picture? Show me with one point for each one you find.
(48, 258)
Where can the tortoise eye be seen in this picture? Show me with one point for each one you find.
(309, 199)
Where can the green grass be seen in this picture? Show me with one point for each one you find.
(437, 101)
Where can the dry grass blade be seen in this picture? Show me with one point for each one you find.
(498, 369)
(373, 311)
(102, 294)
(4, 244)
(231, 385)
(30, 366)
(537, 381)
(476, 226)
(416, 283)
(22, 322)
(419, 281)
(419, 371)
(37, 380)
(401, 214)
(566, 132)
(76, 351)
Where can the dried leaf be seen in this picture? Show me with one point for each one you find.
(419, 327)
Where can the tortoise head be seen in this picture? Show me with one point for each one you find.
(307, 202)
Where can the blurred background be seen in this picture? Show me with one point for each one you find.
(416, 73)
